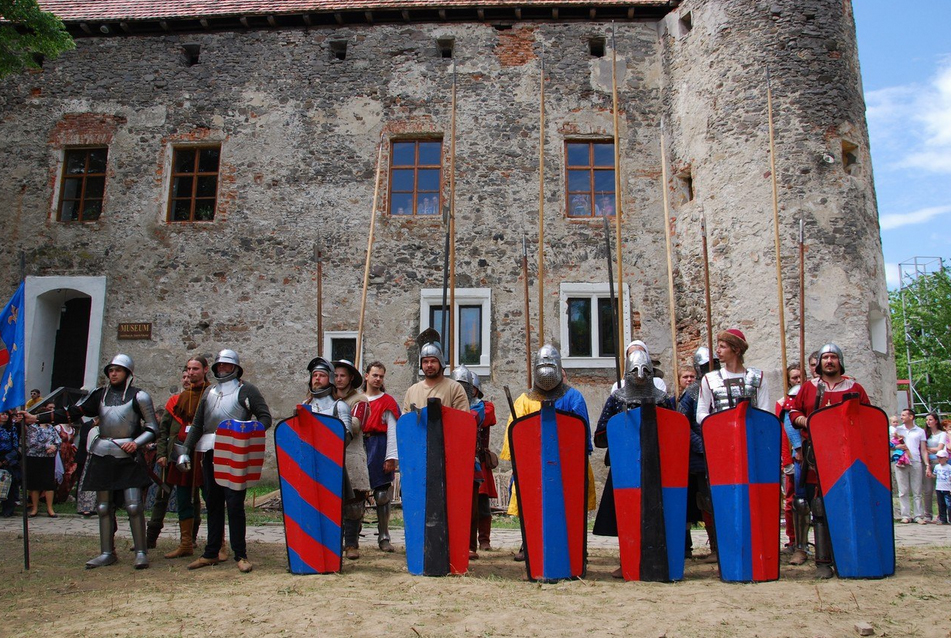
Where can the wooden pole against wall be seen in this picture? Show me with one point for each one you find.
(318, 257)
(706, 286)
(541, 211)
(802, 302)
(528, 319)
(358, 356)
(675, 364)
(450, 338)
(617, 198)
(779, 264)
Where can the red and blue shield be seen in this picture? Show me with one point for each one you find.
(550, 468)
(239, 453)
(850, 441)
(742, 449)
(310, 457)
(650, 453)
(437, 469)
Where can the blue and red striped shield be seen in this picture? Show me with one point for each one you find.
(650, 453)
(550, 467)
(239, 453)
(742, 449)
(850, 441)
(310, 457)
(437, 468)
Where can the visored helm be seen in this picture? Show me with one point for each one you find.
(834, 349)
(433, 349)
(121, 360)
(638, 368)
(546, 373)
(227, 356)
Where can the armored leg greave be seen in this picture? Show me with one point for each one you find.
(801, 515)
(382, 498)
(821, 528)
(136, 510)
(107, 538)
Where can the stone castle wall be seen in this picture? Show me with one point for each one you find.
(299, 131)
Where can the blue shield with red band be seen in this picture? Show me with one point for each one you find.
(650, 453)
(850, 441)
(550, 468)
(437, 468)
(742, 449)
(310, 457)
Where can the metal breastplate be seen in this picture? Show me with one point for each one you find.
(118, 424)
(739, 388)
(222, 404)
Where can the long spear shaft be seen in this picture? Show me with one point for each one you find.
(706, 285)
(528, 321)
(318, 257)
(614, 305)
(24, 495)
(670, 263)
(617, 195)
(802, 302)
(452, 225)
(366, 268)
(541, 211)
(779, 265)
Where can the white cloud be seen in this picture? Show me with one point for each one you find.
(912, 123)
(892, 275)
(897, 220)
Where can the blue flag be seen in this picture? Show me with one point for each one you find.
(12, 353)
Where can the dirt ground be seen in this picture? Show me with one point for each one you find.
(376, 596)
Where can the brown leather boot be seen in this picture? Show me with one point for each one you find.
(152, 531)
(186, 547)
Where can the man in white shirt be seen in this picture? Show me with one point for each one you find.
(909, 477)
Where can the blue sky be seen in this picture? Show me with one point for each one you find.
(905, 55)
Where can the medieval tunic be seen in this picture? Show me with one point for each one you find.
(572, 401)
(356, 456)
(446, 390)
(173, 428)
(379, 438)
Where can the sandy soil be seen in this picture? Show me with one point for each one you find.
(376, 596)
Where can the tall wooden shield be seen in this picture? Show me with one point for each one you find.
(239, 453)
(650, 453)
(550, 468)
(310, 457)
(742, 450)
(850, 441)
(437, 469)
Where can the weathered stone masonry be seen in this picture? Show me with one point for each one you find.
(299, 131)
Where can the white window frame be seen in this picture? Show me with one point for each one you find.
(592, 291)
(430, 297)
(330, 335)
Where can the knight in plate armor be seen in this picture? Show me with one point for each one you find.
(549, 383)
(637, 389)
(229, 398)
(115, 472)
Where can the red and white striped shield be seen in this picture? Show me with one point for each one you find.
(239, 453)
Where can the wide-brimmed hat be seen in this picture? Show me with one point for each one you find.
(357, 379)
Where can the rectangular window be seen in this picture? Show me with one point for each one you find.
(83, 185)
(472, 312)
(415, 177)
(590, 179)
(587, 327)
(341, 344)
(194, 184)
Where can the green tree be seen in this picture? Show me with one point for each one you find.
(27, 35)
(921, 327)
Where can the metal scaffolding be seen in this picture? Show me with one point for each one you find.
(918, 381)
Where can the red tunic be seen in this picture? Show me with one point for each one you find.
(487, 486)
(378, 407)
(804, 403)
